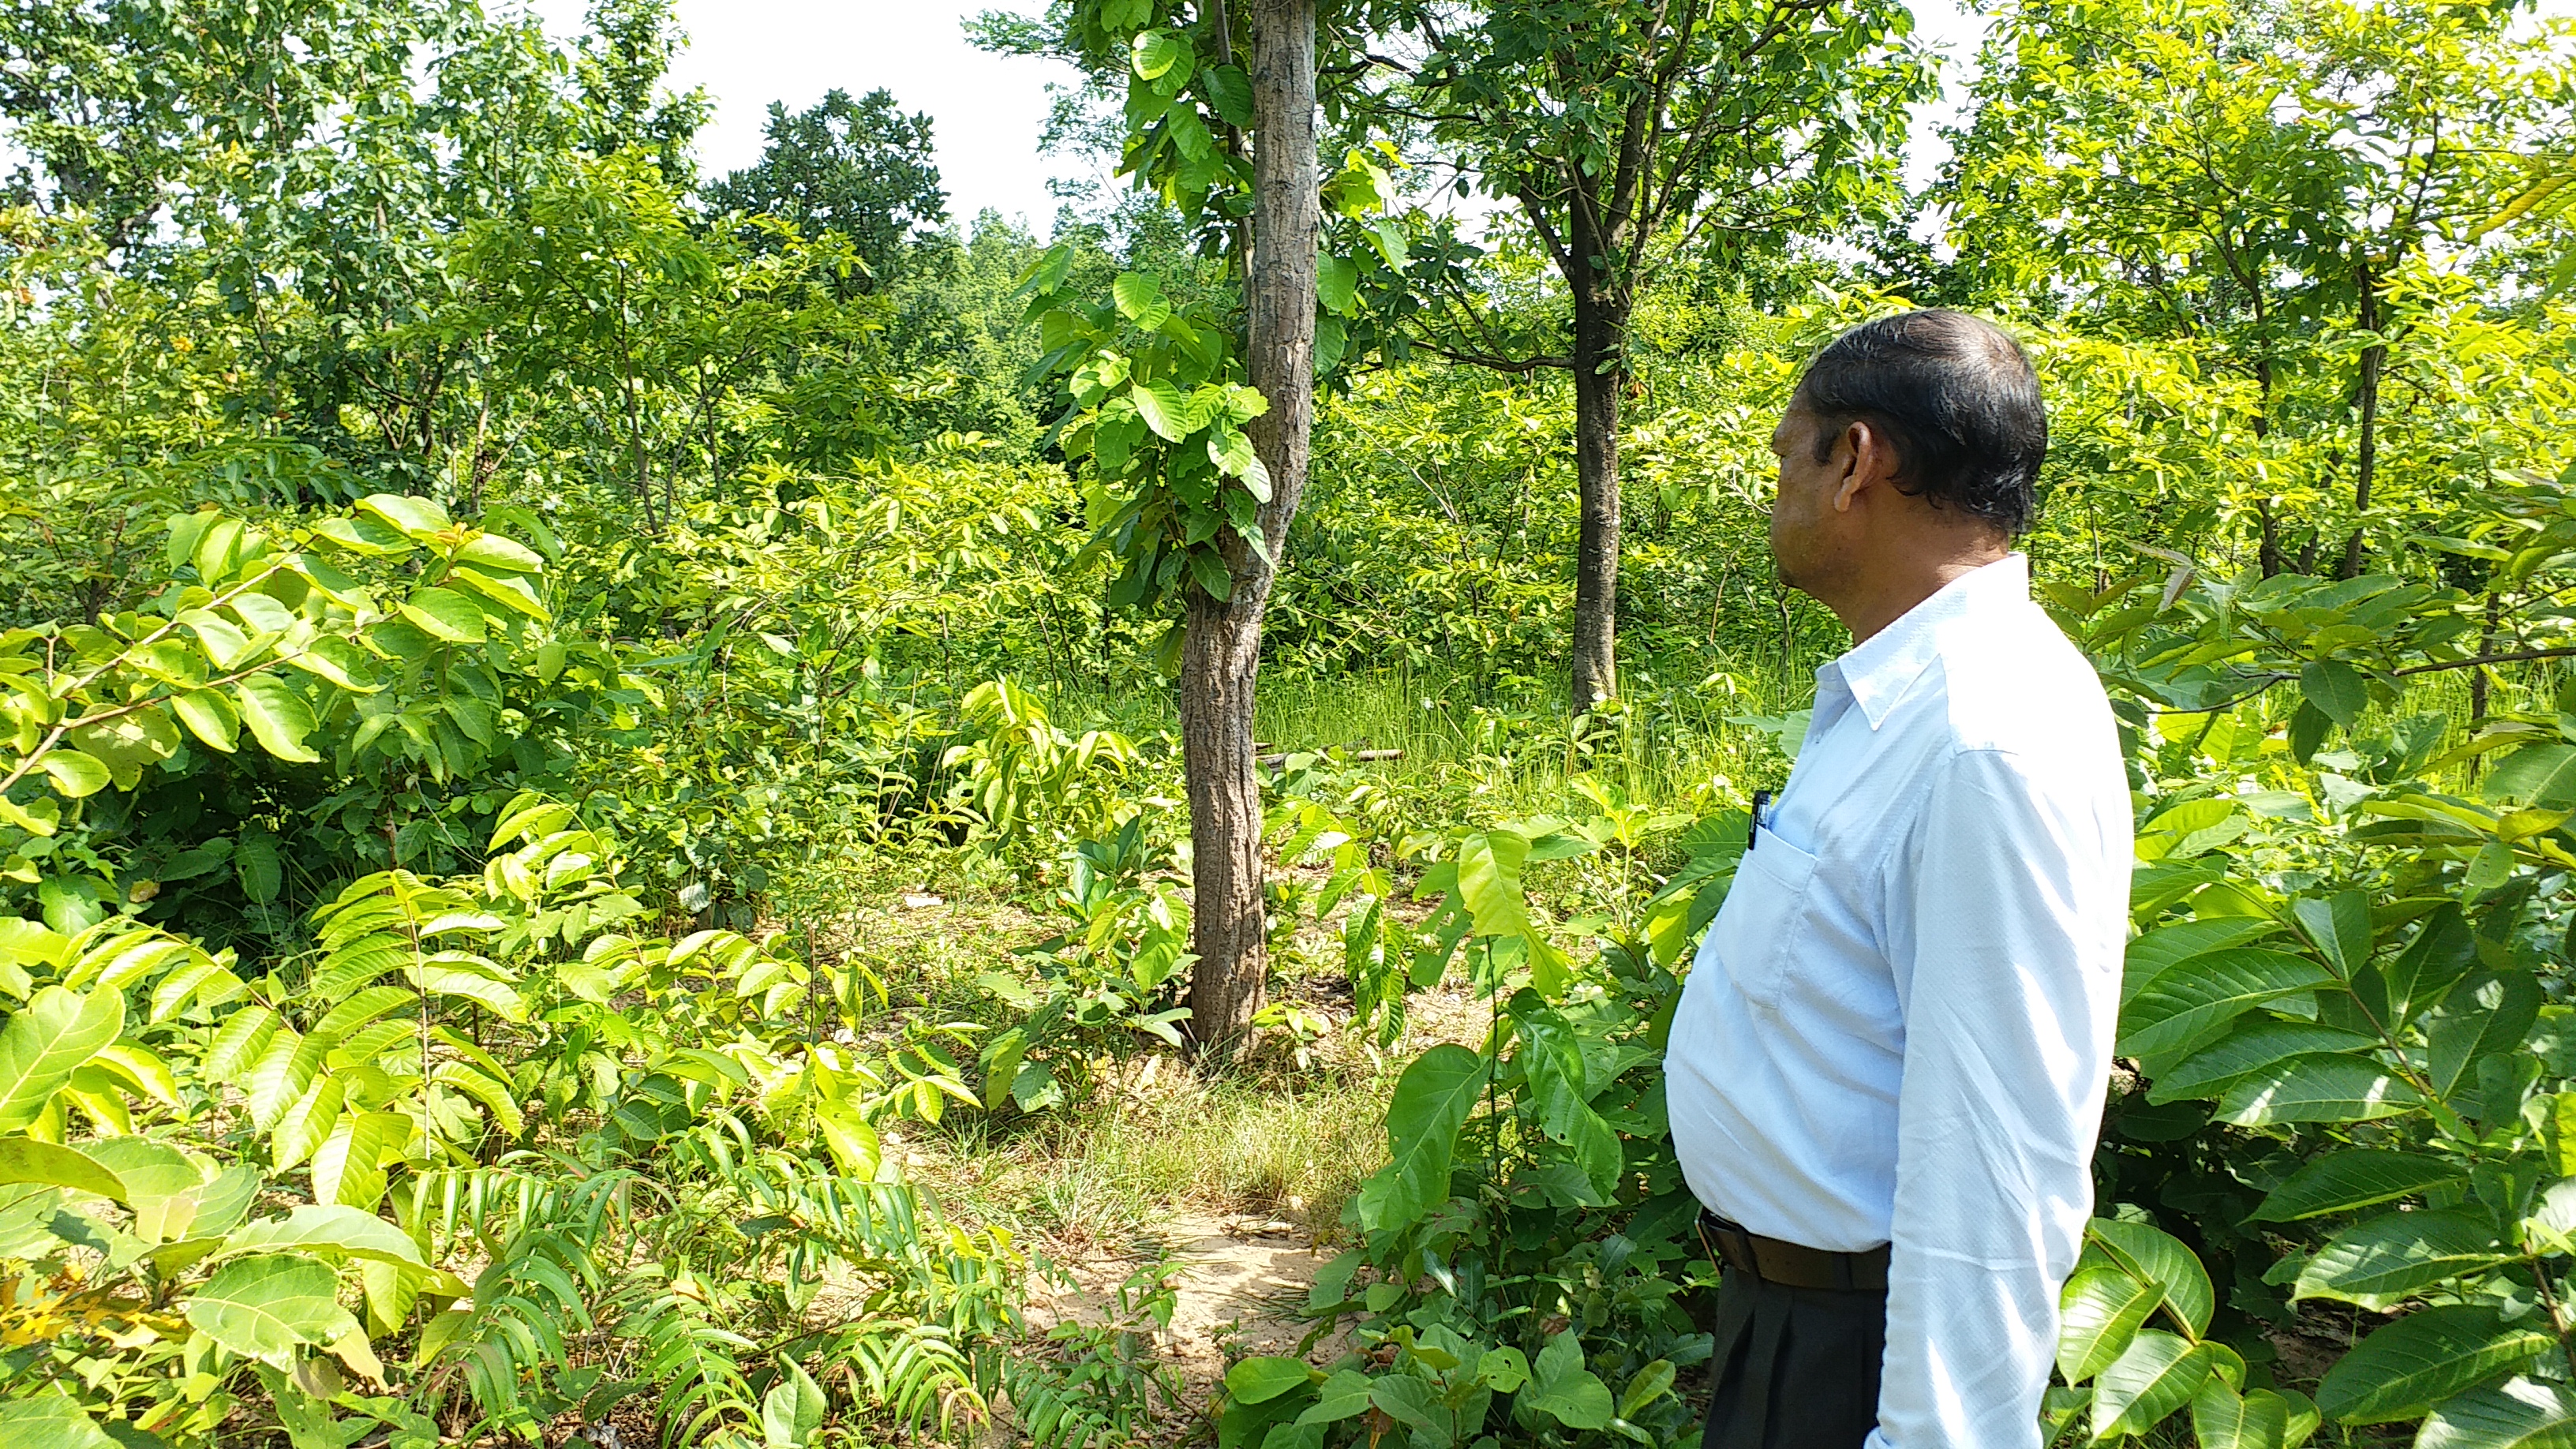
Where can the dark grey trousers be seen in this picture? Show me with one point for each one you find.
(1796, 1368)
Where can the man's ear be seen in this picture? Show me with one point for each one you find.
(1866, 459)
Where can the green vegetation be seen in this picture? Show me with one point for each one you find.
(634, 801)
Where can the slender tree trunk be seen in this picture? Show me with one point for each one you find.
(1221, 656)
(2269, 552)
(1600, 368)
(2374, 359)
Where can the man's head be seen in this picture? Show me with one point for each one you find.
(1914, 437)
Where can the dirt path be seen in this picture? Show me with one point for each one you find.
(1240, 1282)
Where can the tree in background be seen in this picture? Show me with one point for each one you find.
(860, 168)
(1632, 134)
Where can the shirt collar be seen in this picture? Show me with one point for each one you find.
(1878, 670)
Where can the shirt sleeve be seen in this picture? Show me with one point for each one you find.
(2006, 909)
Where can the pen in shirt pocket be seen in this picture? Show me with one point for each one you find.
(1753, 827)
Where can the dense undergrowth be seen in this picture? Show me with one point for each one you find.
(587, 841)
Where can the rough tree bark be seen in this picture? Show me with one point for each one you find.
(1221, 655)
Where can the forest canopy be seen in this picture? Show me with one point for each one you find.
(639, 802)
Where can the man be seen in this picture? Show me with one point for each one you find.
(1887, 1071)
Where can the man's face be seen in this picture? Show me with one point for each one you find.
(1804, 531)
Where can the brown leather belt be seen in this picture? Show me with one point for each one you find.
(1791, 1265)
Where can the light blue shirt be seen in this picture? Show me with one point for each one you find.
(1898, 1029)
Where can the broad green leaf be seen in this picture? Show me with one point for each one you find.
(1259, 1380)
(1562, 1388)
(26, 1160)
(791, 1413)
(2480, 1018)
(278, 717)
(1162, 407)
(1337, 283)
(2100, 1310)
(2165, 947)
(76, 775)
(2357, 1178)
(2534, 774)
(2406, 1367)
(2247, 1048)
(50, 1421)
(2197, 996)
(2338, 928)
(161, 1184)
(2316, 1089)
(210, 717)
(2223, 1419)
(1140, 300)
(1344, 1395)
(349, 1167)
(2336, 689)
(1157, 52)
(2516, 1414)
(2157, 1257)
(1430, 1104)
(1231, 450)
(419, 519)
(2376, 1261)
(444, 614)
(2157, 1375)
(264, 1307)
(46, 1042)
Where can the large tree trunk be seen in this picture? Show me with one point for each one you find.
(1600, 369)
(1221, 658)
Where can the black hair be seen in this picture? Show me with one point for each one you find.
(1958, 401)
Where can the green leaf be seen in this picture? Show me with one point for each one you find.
(2379, 1260)
(2166, 947)
(1231, 451)
(2535, 775)
(160, 1182)
(2479, 1019)
(74, 774)
(2358, 1178)
(1156, 52)
(2100, 1310)
(419, 519)
(2309, 726)
(278, 717)
(256, 865)
(2316, 1089)
(349, 1166)
(1343, 1396)
(2336, 689)
(1337, 283)
(1563, 1389)
(209, 716)
(50, 1421)
(1259, 1380)
(444, 614)
(44, 1044)
(2223, 1419)
(1229, 93)
(2248, 1048)
(2339, 928)
(2516, 1414)
(1164, 410)
(1430, 1104)
(26, 1160)
(2156, 1376)
(2410, 1365)
(264, 1307)
(1140, 300)
(791, 1413)
(330, 1227)
(2195, 997)
(2157, 1257)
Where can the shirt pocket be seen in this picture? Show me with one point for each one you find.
(1756, 932)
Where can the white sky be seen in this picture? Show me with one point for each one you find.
(986, 110)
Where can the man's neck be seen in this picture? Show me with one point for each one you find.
(1888, 593)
